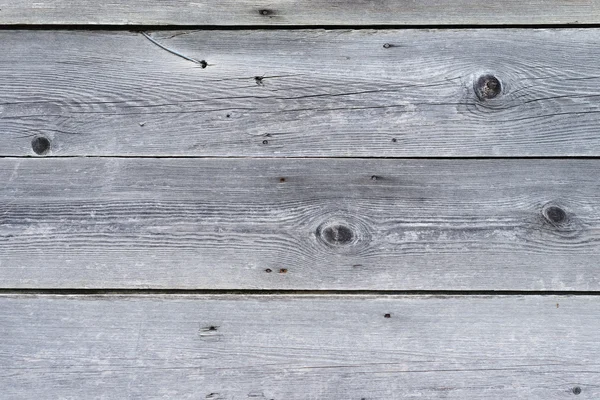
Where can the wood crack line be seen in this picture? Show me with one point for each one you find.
(202, 63)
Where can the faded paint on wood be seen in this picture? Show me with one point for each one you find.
(300, 224)
(289, 347)
(292, 93)
(304, 12)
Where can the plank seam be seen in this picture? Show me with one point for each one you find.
(279, 292)
(567, 157)
(141, 28)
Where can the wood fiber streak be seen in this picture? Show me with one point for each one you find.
(287, 347)
(343, 93)
(300, 224)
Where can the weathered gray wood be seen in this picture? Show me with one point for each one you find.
(331, 224)
(305, 12)
(301, 93)
(288, 347)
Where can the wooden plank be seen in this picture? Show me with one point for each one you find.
(304, 12)
(290, 347)
(525, 224)
(301, 93)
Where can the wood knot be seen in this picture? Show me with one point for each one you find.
(487, 87)
(554, 215)
(337, 235)
(40, 145)
(343, 233)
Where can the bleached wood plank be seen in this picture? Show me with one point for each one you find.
(292, 347)
(304, 12)
(301, 93)
(300, 224)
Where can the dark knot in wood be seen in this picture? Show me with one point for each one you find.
(554, 214)
(344, 233)
(337, 235)
(40, 145)
(487, 87)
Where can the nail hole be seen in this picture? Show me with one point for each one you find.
(374, 177)
(577, 390)
(265, 142)
(268, 270)
(281, 180)
(386, 46)
(228, 115)
(283, 271)
(387, 316)
(487, 87)
(394, 140)
(203, 64)
(40, 145)
(554, 214)
(265, 12)
(259, 80)
(212, 328)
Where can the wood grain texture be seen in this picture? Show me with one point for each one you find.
(304, 12)
(301, 93)
(300, 224)
(279, 347)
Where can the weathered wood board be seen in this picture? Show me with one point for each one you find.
(288, 93)
(365, 224)
(293, 347)
(304, 12)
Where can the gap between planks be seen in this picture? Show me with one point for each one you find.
(208, 28)
(293, 293)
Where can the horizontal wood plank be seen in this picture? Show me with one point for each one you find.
(303, 12)
(384, 93)
(300, 224)
(288, 347)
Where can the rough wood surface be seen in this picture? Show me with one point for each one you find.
(300, 223)
(287, 347)
(301, 93)
(303, 12)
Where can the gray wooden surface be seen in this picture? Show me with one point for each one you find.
(525, 224)
(290, 347)
(304, 12)
(299, 180)
(301, 93)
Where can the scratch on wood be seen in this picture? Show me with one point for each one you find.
(202, 63)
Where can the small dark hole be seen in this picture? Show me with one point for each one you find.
(374, 177)
(487, 87)
(228, 115)
(281, 180)
(265, 142)
(387, 316)
(40, 145)
(265, 12)
(268, 270)
(394, 140)
(577, 390)
(212, 328)
(283, 271)
(203, 64)
(386, 46)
